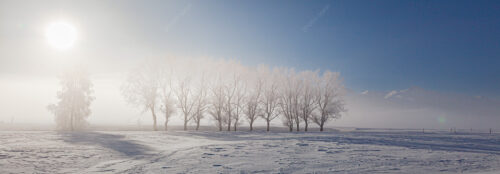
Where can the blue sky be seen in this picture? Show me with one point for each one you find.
(376, 45)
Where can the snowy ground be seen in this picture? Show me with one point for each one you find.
(244, 152)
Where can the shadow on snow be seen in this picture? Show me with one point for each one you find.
(111, 141)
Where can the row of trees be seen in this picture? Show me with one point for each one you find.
(230, 93)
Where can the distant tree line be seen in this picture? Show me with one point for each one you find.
(230, 93)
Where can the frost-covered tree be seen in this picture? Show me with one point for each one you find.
(141, 89)
(185, 99)
(230, 77)
(167, 108)
(217, 96)
(192, 89)
(74, 99)
(289, 97)
(238, 103)
(200, 101)
(240, 84)
(309, 81)
(270, 94)
(217, 100)
(251, 101)
(329, 98)
(167, 98)
(230, 91)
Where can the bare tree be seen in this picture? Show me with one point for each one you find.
(166, 94)
(329, 99)
(289, 98)
(270, 93)
(241, 89)
(200, 102)
(217, 102)
(297, 87)
(185, 99)
(286, 111)
(252, 99)
(306, 105)
(229, 91)
(141, 89)
(74, 98)
(231, 88)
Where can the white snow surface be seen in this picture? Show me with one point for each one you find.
(248, 152)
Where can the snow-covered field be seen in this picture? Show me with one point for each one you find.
(245, 152)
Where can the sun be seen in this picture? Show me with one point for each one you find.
(61, 35)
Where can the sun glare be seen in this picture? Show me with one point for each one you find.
(61, 35)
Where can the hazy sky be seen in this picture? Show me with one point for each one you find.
(376, 45)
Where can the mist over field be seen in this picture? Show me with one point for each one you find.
(413, 107)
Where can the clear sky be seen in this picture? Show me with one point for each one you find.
(447, 46)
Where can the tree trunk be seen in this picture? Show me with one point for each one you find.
(185, 125)
(268, 124)
(290, 128)
(251, 125)
(166, 122)
(229, 123)
(197, 124)
(297, 123)
(220, 125)
(321, 127)
(305, 126)
(235, 125)
(154, 119)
